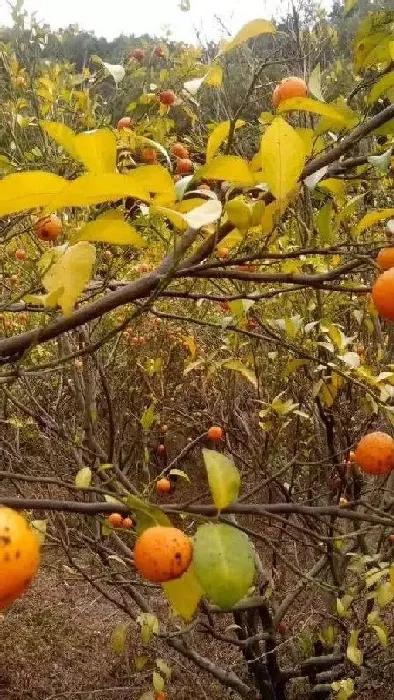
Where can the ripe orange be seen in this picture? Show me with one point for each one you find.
(163, 486)
(19, 556)
(158, 52)
(48, 229)
(163, 553)
(115, 519)
(383, 294)
(20, 254)
(138, 55)
(127, 523)
(184, 166)
(149, 156)
(385, 258)
(167, 97)
(391, 538)
(223, 253)
(287, 88)
(125, 123)
(375, 453)
(215, 433)
(179, 150)
(144, 267)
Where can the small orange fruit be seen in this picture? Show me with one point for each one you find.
(179, 150)
(215, 433)
(149, 156)
(167, 97)
(385, 258)
(138, 55)
(163, 553)
(184, 166)
(287, 88)
(375, 453)
(391, 538)
(19, 556)
(383, 294)
(49, 228)
(144, 267)
(127, 523)
(115, 519)
(158, 51)
(160, 696)
(20, 254)
(223, 253)
(125, 123)
(163, 486)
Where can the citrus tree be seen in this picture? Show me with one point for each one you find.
(181, 314)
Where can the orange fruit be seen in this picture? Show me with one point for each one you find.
(19, 556)
(383, 294)
(149, 156)
(163, 553)
(385, 258)
(115, 519)
(20, 254)
(223, 253)
(215, 433)
(163, 486)
(160, 696)
(48, 229)
(374, 453)
(167, 97)
(179, 150)
(391, 538)
(184, 166)
(158, 51)
(125, 123)
(127, 523)
(287, 88)
(144, 267)
(138, 55)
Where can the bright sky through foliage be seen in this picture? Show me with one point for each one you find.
(110, 19)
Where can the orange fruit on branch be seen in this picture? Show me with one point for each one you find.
(125, 123)
(149, 156)
(385, 258)
(184, 166)
(138, 55)
(115, 519)
(374, 453)
(383, 294)
(49, 228)
(158, 51)
(127, 523)
(20, 254)
(19, 556)
(163, 486)
(215, 433)
(179, 150)
(287, 88)
(167, 97)
(163, 553)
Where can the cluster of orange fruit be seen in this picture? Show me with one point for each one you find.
(383, 288)
(118, 521)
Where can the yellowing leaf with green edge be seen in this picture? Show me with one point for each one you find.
(381, 86)
(349, 6)
(224, 478)
(249, 31)
(353, 653)
(111, 228)
(90, 189)
(385, 594)
(119, 638)
(66, 279)
(307, 104)
(63, 135)
(158, 682)
(372, 50)
(224, 563)
(214, 77)
(218, 135)
(314, 83)
(373, 218)
(239, 213)
(381, 634)
(154, 179)
(282, 156)
(84, 478)
(164, 668)
(238, 366)
(336, 188)
(29, 190)
(231, 168)
(97, 150)
(184, 594)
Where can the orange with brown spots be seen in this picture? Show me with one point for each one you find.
(163, 553)
(375, 453)
(19, 556)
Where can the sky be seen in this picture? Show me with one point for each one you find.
(110, 18)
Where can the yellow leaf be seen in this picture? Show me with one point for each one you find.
(111, 228)
(63, 135)
(176, 218)
(206, 214)
(374, 217)
(214, 77)
(97, 150)
(154, 179)
(336, 188)
(391, 50)
(249, 31)
(282, 156)
(66, 279)
(224, 478)
(381, 86)
(238, 366)
(218, 135)
(270, 215)
(184, 594)
(239, 213)
(29, 190)
(232, 240)
(187, 205)
(349, 6)
(231, 168)
(307, 137)
(307, 104)
(90, 189)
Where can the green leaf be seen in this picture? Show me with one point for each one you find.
(29, 190)
(239, 213)
(218, 135)
(249, 31)
(118, 638)
(140, 662)
(111, 228)
(307, 104)
(381, 86)
(224, 563)
(381, 634)
(149, 627)
(158, 682)
(353, 653)
(84, 478)
(90, 189)
(164, 668)
(238, 366)
(323, 223)
(344, 688)
(314, 83)
(149, 416)
(349, 6)
(231, 168)
(282, 156)
(180, 473)
(223, 477)
(385, 594)
(184, 594)
(40, 529)
(372, 218)
(66, 278)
